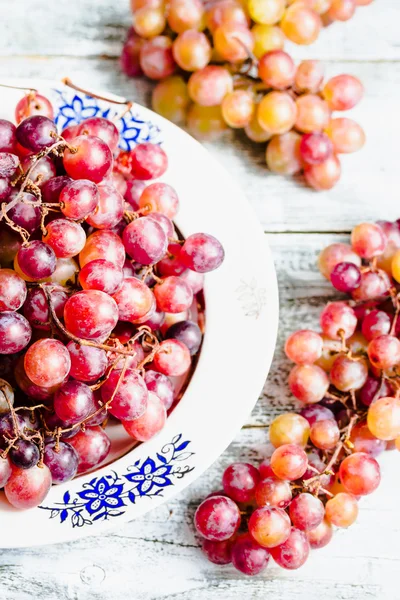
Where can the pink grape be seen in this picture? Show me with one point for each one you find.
(88, 364)
(47, 362)
(202, 253)
(333, 255)
(375, 324)
(346, 135)
(269, 526)
(145, 241)
(320, 536)
(277, 69)
(233, 42)
(92, 159)
(348, 374)
(173, 295)
(194, 280)
(135, 301)
(346, 277)
(8, 138)
(209, 85)
(128, 392)
(156, 58)
(92, 447)
(33, 104)
(130, 56)
(384, 351)
(308, 383)
(73, 402)
(148, 161)
(360, 474)
(315, 148)
(161, 386)
(78, 199)
(134, 189)
(373, 284)
(170, 264)
(342, 510)
(338, 319)
(363, 440)
(304, 347)
(101, 275)
(65, 237)
(12, 290)
(343, 92)
(219, 553)
(109, 210)
(368, 240)
(27, 488)
(293, 553)
(150, 423)
(273, 492)
(90, 314)
(240, 481)
(101, 128)
(323, 176)
(161, 198)
(289, 462)
(15, 332)
(306, 511)
(217, 518)
(104, 245)
(316, 412)
(325, 434)
(172, 358)
(248, 556)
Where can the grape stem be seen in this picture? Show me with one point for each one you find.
(66, 81)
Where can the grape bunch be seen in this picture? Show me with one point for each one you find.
(221, 64)
(346, 378)
(101, 306)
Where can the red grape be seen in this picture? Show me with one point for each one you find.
(90, 314)
(269, 526)
(172, 358)
(360, 474)
(135, 301)
(27, 488)
(146, 426)
(91, 158)
(92, 447)
(248, 557)
(240, 481)
(217, 518)
(78, 199)
(15, 332)
(294, 552)
(62, 460)
(289, 462)
(128, 392)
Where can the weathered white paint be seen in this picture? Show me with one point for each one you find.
(157, 557)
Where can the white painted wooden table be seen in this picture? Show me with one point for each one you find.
(156, 557)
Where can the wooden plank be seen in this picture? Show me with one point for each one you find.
(97, 27)
(367, 190)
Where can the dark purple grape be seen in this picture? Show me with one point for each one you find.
(25, 215)
(36, 133)
(186, 332)
(8, 140)
(25, 454)
(8, 164)
(62, 461)
(52, 189)
(37, 260)
(7, 430)
(346, 277)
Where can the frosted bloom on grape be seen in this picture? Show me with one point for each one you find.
(308, 383)
(217, 518)
(304, 347)
(202, 252)
(338, 320)
(368, 240)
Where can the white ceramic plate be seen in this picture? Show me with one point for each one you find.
(241, 326)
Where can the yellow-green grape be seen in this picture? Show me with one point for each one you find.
(283, 153)
(170, 99)
(210, 85)
(313, 113)
(186, 14)
(309, 76)
(301, 24)
(277, 112)
(384, 418)
(255, 132)
(346, 135)
(267, 38)
(206, 122)
(233, 43)
(66, 272)
(238, 108)
(289, 428)
(267, 12)
(192, 50)
(149, 22)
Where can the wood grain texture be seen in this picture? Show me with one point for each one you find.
(156, 557)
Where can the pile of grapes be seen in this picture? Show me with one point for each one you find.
(222, 64)
(100, 299)
(347, 377)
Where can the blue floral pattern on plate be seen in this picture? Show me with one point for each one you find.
(72, 107)
(108, 496)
